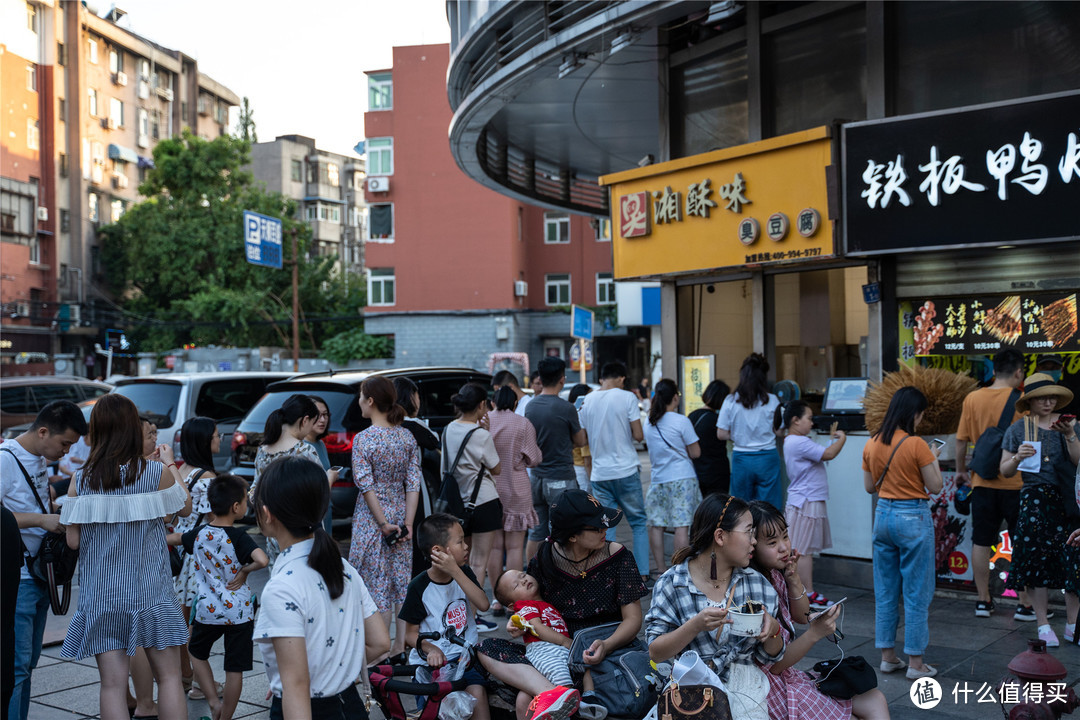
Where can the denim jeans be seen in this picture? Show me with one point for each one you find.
(756, 476)
(625, 494)
(903, 563)
(31, 611)
(544, 493)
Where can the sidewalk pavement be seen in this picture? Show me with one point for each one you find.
(967, 652)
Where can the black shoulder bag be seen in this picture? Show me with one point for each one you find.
(449, 500)
(986, 457)
(55, 562)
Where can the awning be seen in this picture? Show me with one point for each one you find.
(330, 201)
(146, 162)
(123, 154)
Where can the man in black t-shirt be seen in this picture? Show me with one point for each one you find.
(558, 432)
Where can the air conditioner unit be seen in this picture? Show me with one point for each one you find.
(120, 182)
(75, 314)
(521, 288)
(22, 308)
(43, 214)
(97, 174)
(120, 79)
(111, 123)
(143, 141)
(166, 93)
(144, 90)
(378, 184)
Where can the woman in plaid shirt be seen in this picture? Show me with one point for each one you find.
(691, 600)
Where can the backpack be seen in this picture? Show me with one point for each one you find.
(625, 682)
(986, 458)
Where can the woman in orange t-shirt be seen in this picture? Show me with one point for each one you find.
(904, 474)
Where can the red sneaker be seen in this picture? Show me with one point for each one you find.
(559, 703)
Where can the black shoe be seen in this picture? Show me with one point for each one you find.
(984, 608)
(484, 626)
(1026, 613)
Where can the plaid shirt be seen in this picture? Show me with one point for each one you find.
(676, 600)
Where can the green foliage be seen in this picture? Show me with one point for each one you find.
(355, 344)
(247, 123)
(176, 260)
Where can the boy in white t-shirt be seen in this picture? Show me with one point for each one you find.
(444, 596)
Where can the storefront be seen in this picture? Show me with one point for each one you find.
(745, 247)
(973, 216)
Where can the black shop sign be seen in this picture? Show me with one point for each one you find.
(997, 174)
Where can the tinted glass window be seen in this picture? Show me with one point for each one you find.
(435, 394)
(228, 399)
(337, 402)
(710, 103)
(45, 394)
(156, 398)
(90, 392)
(15, 400)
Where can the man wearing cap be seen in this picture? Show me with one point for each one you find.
(996, 499)
(1044, 442)
(558, 432)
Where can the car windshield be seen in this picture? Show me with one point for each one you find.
(160, 399)
(338, 402)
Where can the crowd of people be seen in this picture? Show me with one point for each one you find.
(543, 482)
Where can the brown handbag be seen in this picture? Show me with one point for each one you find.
(700, 702)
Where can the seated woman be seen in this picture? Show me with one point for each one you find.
(792, 694)
(690, 604)
(588, 580)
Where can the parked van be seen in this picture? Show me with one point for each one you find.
(171, 399)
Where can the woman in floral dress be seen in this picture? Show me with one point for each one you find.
(386, 469)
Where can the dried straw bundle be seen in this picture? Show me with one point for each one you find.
(945, 391)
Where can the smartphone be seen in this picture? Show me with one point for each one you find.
(937, 444)
(819, 612)
(338, 468)
(393, 538)
(1066, 419)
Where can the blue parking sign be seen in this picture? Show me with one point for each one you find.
(581, 322)
(262, 239)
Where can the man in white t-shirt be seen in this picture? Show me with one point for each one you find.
(612, 421)
(23, 463)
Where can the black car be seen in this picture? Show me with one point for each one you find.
(340, 391)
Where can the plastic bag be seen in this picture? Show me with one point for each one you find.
(458, 705)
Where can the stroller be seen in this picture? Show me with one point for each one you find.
(390, 682)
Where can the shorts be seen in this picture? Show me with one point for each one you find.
(672, 503)
(553, 661)
(345, 705)
(544, 492)
(808, 527)
(485, 518)
(239, 643)
(989, 507)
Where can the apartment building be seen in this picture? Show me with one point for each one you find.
(458, 273)
(328, 189)
(85, 101)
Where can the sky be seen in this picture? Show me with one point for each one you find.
(301, 64)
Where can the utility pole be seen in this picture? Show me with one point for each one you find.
(295, 305)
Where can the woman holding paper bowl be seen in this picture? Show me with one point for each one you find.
(1043, 446)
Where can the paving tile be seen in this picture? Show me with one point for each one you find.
(63, 676)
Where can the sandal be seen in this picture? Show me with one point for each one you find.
(186, 680)
(196, 692)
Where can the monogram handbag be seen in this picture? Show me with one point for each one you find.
(700, 702)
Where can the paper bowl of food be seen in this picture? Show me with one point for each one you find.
(747, 619)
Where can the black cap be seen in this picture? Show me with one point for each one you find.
(1049, 357)
(577, 508)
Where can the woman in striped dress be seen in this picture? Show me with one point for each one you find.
(126, 600)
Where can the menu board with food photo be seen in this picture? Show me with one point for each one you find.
(988, 323)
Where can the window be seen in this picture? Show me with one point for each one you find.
(61, 54)
(297, 171)
(144, 68)
(35, 250)
(381, 222)
(332, 174)
(116, 112)
(92, 207)
(380, 91)
(65, 221)
(312, 171)
(155, 124)
(63, 164)
(381, 286)
(31, 17)
(603, 230)
(556, 228)
(380, 152)
(709, 103)
(358, 180)
(91, 102)
(323, 213)
(311, 213)
(31, 77)
(33, 141)
(605, 289)
(116, 60)
(557, 289)
(116, 210)
(91, 49)
(144, 123)
(61, 110)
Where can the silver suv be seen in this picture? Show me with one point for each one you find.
(172, 399)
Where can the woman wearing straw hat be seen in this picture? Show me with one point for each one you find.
(1041, 556)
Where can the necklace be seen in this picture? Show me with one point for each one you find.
(720, 582)
(574, 563)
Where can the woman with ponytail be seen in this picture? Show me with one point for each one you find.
(746, 418)
(386, 469)
(284, 433)
(317, 622)
(690, 604)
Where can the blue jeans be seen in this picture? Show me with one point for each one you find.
(756, 476)
(31, 611)
(544, 493)
(903, 563)
(625, 494)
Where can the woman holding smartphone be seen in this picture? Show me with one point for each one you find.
(1037, 446)
(904, 472)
